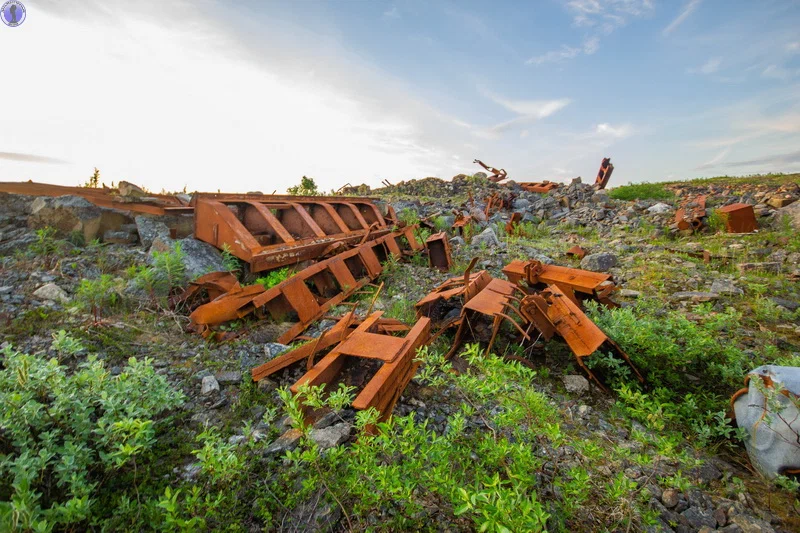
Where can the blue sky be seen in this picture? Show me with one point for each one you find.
(252, 95)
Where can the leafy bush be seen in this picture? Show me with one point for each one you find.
(641, 191)
(409, 216)
(62, 434)
(98, 295)
(307, 187)
(273, 278)
(166, 273)
(229, 261)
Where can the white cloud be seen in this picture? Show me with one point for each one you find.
(185, 103)
(793, 48)
(535, 109)
(709, 67)
(589, 47)
(608, 15)
(687, 10)
(616, 132)
(778, 72)
(714, 161)
(523, 134)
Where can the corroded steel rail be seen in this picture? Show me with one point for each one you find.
(273, 231)
(595, 285)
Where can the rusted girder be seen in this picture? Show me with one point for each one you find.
(604, 174)
(496, 174)
(576, 251)
(438, 251)
(152, 204)
(739, 218)
(586, 283)
(309, 293)
(551, 311)
(461, 222)
(336, 334)
(541, 187)
(452, 294)
(398, 355)
(512, 226)
(273, 231)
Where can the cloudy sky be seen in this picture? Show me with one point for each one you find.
(251, 95)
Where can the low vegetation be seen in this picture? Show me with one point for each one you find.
(641, 191)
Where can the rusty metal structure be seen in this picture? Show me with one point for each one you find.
(576, 251)
(151, 204)
(273, 231)
(461, 221)
(308, 294)
(604, 174)
(438, 251)
(576, 283)
(692, 213)
(739, 218)
(512, 226)
(496, 174)
(397, 355)
(541, 187)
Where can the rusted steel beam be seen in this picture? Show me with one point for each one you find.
(496, 175)
(397, 354)
(274, 231)
(541, 187)
(337, 333)
(739, 218)
(461, 222)
(604, 174)
(553, 311)
(438, 251)
(309, 293)
(590, 284)
(512, 226)
(151, 204)
(461, 288)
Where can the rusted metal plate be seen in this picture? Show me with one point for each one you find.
(540, 187)
(596, 285)
(604, 174)
(577, 251)
(215, 284)
(309, 293)
(691, 214)
(453, 288)
(739, 218)
(512, 226)
(273, 231)
(152, 204)
(397, 354)
(438, 251)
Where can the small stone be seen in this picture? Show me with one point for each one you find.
(601, 262)
(761, 267)
(326, 420)
(457, 241)
(720, 516)
(286, 442)
(659, 209)
(487, 237)
(724, 286)
(576, 384)
(330, 436)
(695, 296)
(273, 349)
(584, 410)
(748, 524)
(267, 385)
(51, 292)
(698, 518)
(670, 498)
(629, 293)
(230, 377)
(236, 440)
(209, 385)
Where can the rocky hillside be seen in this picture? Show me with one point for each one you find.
(182, 439)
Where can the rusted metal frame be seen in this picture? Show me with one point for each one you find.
(438, 251)
(241, 197)
(152, 204)
(293, 296)
(539, 187)
(214, 283)
(512, 226)
(383, 390)
(581, 334)
(576, 251)
(215, 224)
(690, 216)
(308, 220)
(604, 174)
(334, 215)
(272, 221)
(452, 288)
(497, 174)
(594, 284)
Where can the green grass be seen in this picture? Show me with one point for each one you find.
(641, 191)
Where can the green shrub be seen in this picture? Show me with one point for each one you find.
(230, 262)
(273, 278)
(99, 295)
(63, 433)
(409, 216)
(307, 187)
(641, 191)
(164, 275)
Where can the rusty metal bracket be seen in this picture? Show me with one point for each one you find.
(438, 251)
(692, 213)
(496, 174)
(587, 284)
(739, 218)
(541, 187)
(604, 174)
